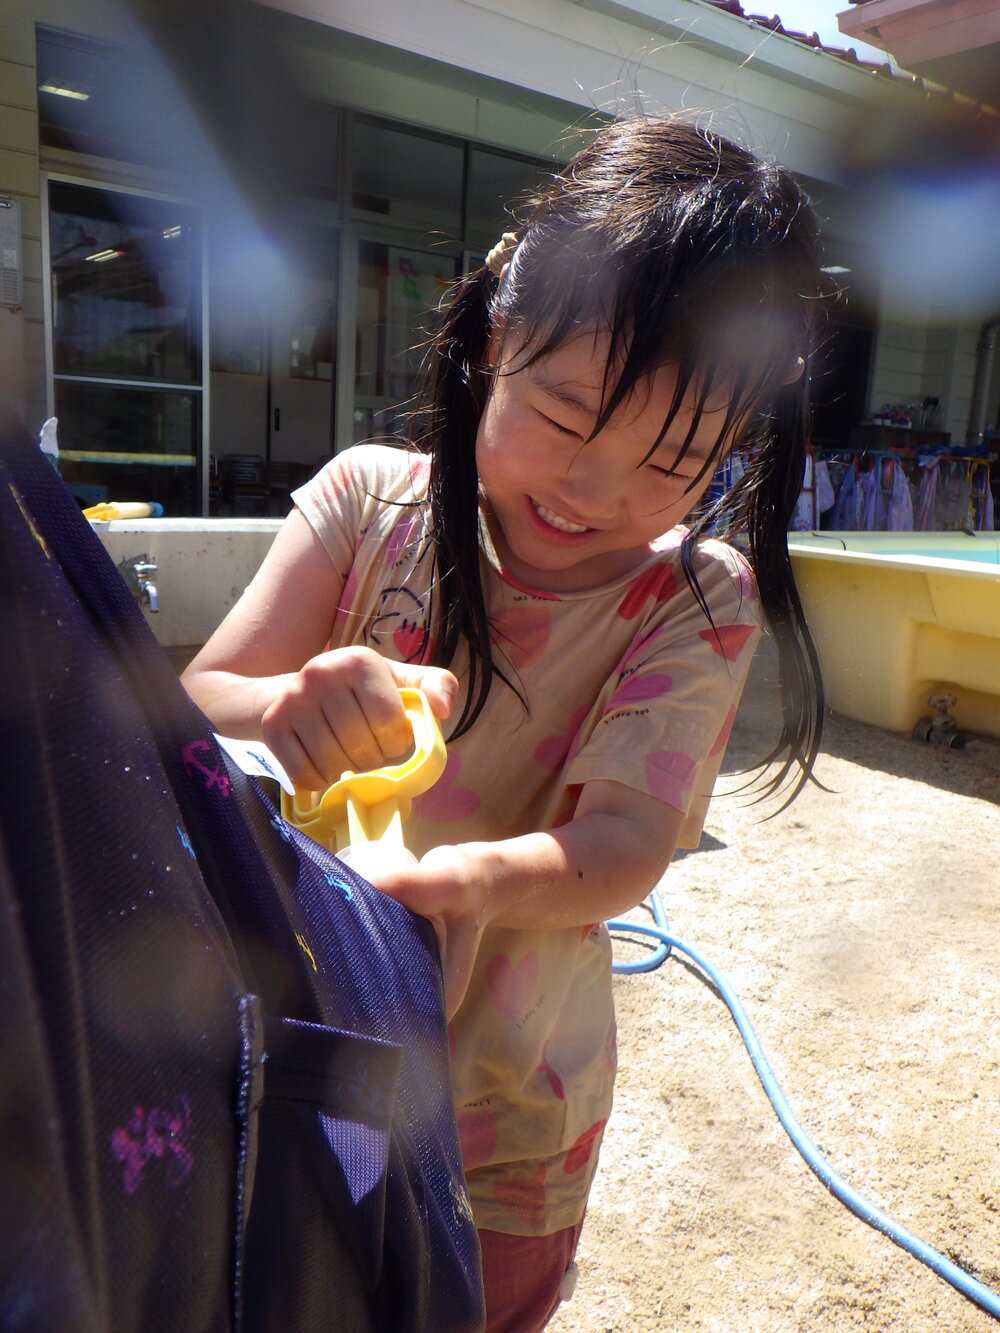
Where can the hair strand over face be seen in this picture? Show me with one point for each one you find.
(684, 249)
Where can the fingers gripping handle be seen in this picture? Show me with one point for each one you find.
(371, 807)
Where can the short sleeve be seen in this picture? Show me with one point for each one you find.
(335, 500)
(368, 508)
(664, 717)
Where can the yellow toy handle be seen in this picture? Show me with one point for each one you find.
(371, 807)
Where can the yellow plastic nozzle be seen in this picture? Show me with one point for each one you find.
(107, 510)
(371, 807)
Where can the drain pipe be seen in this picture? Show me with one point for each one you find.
(981, 382)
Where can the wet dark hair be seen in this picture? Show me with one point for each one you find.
(687, 250)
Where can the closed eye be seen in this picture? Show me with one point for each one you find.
(670, 473)
(556, 425)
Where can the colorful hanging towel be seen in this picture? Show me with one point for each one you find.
(868, 485)
(927, 494)
(822, 486)
(803, 516)
(899, 511)
(844, 517)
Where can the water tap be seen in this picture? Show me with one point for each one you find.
(138, 571)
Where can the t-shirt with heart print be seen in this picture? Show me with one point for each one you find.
(627, 682)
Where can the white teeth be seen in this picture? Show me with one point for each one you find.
(563, 524)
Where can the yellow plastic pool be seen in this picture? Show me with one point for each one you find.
(900, 616)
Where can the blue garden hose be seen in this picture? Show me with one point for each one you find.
(974, 1291)
(662, 950)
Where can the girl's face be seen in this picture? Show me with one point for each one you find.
(565, 512)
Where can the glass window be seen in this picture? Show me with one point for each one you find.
(125, 286)
(126, 344)
(399, 290)
(133, 443)
(109, 101)
(407, 179)
(496, 181)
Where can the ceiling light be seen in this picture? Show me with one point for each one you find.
(64, 90)
(102, 256)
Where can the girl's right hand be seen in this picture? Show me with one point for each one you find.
(343, 711)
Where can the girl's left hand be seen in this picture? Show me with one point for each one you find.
(449, 887)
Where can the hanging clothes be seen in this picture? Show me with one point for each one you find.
(868, 486)
(927, 494)
(823, 495)
(844, 515)
(803, 518)
(899, 510)
(980, 497)
(952, 513)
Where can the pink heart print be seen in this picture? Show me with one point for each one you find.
(727, 640)
(669, 774)
(555, 1082)
(512, 987)
(724, 731)
(335, 478)
(554, 751)
(477, 1134)
(660, 583)
(580, 1153)
(400, 538)
(420, 466)
(522, 632)
(747, 582)
(445, 801)
(637, 689)
(411, 642)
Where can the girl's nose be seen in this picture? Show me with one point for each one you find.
(591, 491)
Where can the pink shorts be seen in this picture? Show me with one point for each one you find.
(523, 1277)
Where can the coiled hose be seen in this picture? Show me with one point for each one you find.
(666, 943)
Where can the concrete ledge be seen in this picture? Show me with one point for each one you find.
(203, 565)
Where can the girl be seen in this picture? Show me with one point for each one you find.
(524, 562)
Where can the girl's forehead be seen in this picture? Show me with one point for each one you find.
(580, 373)
(579, 369)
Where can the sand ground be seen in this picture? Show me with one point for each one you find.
(860, 930)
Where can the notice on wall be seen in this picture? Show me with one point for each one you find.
(11, 273)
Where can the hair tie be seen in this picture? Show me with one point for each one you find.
(501, 253)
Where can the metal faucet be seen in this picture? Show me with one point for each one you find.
(137, 571)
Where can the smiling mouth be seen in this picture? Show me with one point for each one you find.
(556, 520)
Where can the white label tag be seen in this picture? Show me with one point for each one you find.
(256, 759)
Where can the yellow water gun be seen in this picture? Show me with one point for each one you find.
(360, 817)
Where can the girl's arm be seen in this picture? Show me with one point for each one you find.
(603, 862)
(266, 673)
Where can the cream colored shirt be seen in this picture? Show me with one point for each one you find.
(627, 682)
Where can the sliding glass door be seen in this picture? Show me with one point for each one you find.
(127, 363)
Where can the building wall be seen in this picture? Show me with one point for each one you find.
(783, 98)
(21, 340)
(514, 78)
(22, 333)
(912, 363)
(898, 367)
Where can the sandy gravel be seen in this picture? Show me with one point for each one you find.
(860, 930)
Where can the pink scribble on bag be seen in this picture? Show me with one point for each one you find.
(160, 1132)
